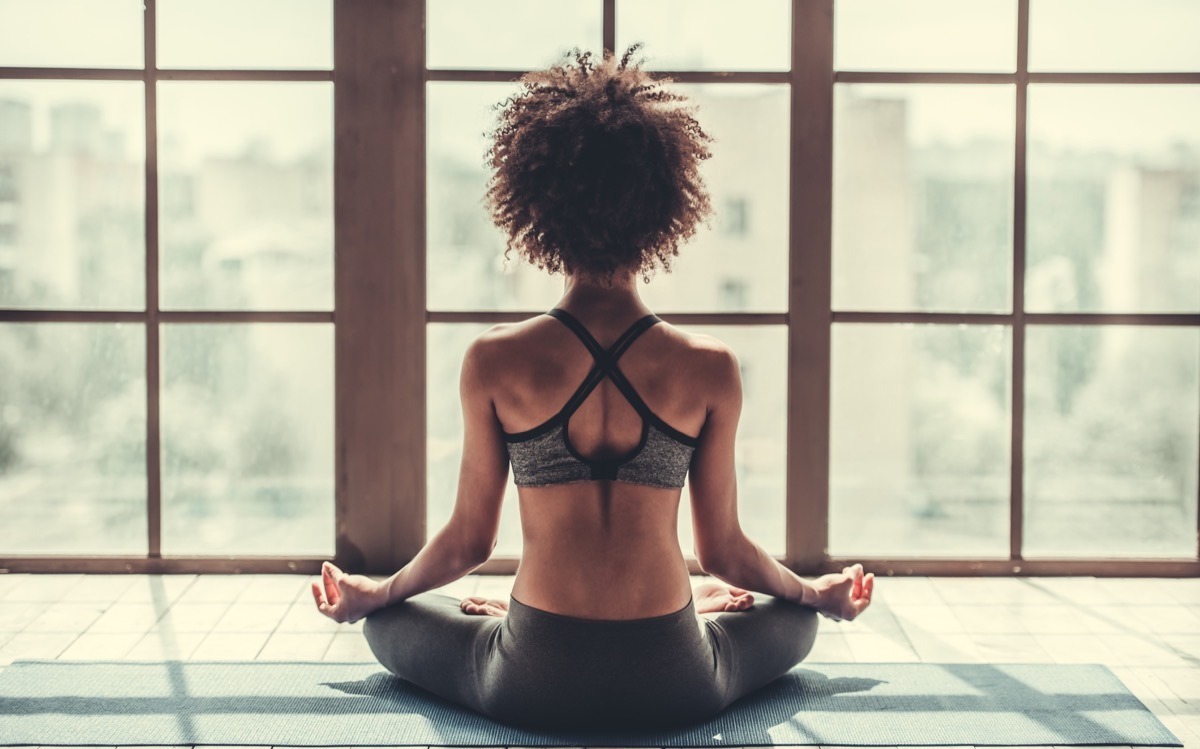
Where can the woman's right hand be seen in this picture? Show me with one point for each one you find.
(843, 595)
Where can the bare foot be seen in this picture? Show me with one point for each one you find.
(710, 597)
(481, 606)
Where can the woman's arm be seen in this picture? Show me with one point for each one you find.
(469, 536)
(722, 548)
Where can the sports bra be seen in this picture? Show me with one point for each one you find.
(544, 455)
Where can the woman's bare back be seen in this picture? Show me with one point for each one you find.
(599, 549)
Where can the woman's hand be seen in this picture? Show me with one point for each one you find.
(346, 598)
(845, 594)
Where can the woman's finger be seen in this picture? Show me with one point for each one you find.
(332, 594)
(316, 591)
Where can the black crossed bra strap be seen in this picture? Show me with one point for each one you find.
(606, 361)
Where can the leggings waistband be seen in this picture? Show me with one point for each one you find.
(524, 617)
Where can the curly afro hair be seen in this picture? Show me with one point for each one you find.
(596, 169)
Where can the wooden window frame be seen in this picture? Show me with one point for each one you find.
(380, 314)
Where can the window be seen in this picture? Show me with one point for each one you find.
(957, 251)
(166, 336)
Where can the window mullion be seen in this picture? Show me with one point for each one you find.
(809, 294)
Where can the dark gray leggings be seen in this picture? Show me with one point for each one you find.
(537, 669)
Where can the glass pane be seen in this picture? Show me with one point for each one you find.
(445, 345)
(919, 441)
(71, 33)
(1102, 35)
(246, 205)
(247, 439)
(1111, 420)
(740, 263)
(922, 197)
(761, 444)
(923, 35)
(708, 34)
(760, 453)
(73, 439)
(509, 36)
(737, 264)
(72, 194)
(276, 34)
(1114, 199)
(466, 268)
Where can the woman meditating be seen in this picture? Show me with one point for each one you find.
(602, 409)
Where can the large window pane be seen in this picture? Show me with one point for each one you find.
(72, 439)
(920, 35)
(1117, 35)
(72, 194)
(761, 441)
(247, 439)
(1111, 417)
(1114, 199)
(737, 264)
(761, 448)
(509, 36)
(246, 195)
(71, 33)
(740, 262)
(276, 34)
(465, 264)
(922, 198)
(919, 444)
(708, 34)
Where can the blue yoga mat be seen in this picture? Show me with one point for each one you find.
(343, 704)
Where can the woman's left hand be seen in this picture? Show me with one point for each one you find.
(346, 598)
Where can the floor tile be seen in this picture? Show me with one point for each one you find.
(1058, 619)
(295, 647)
(161, 590)
(229, 646)
(962, 591)
(1014, 648)
(191, 617)
(868, 648)
(1081, 590)
(906, 590)
(100, 646)
(936, 618)
(37, 645)
(48, 588)
(66, 617)
(101, 588)
(989, 619)
(303, 616)
(1135, 650)
(830, 648)
(1074, 648)
(944, 648)
(161, 646)
(129, 617)
(215, 589)
(251, 617)
(274, 588)
(15, 616)
(349, 647)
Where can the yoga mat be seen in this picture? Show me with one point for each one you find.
(342, 704)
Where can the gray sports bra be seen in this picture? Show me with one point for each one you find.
(543, 456)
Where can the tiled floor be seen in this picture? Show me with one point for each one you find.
(1147, 631)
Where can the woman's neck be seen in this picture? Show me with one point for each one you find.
(618, 300)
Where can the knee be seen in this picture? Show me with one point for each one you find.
(798, 625)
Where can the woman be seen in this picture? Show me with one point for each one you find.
(601, 412)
